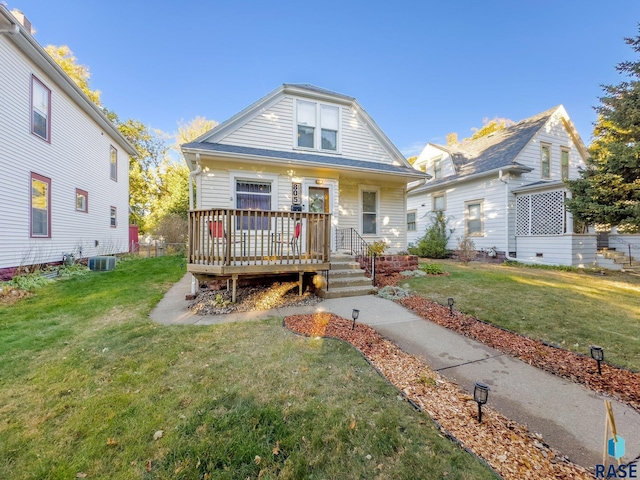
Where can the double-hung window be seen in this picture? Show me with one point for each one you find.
(474, 218)
(40, 206)
(411, 221)
(369, 212)
(310, 116)
(113, 217)
(564, 163)
(40, 110)
(437, 168)
(438, 202)
(113, 162)
(253, 195)
(545, 161)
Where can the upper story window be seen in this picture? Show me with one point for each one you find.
(40, 206)
(317, 126)
(437, 168)
(545, 161)
(113, 160)
(40, 110)
(564, 163)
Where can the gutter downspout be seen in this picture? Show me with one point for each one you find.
(192, 175)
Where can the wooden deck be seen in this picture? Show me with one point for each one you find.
(230, 243)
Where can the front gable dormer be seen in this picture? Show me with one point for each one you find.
(435, 161)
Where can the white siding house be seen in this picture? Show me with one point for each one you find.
(316, 143)
(505, 191)
(64, 186)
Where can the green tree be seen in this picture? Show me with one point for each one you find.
(64, 57)
(608, 190)
(434, 242)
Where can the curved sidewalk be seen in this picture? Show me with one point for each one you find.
(570, 417)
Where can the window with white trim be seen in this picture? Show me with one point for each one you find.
(113, 217)
(473, 217)
(411, 221)
(437, 168)
(369, 199)
(40, 206)
(82, 201)
(438, 202)
(40, 109)
(310, 115)
(253, 195)
(113, 162)
(564, 163)
(545, 161)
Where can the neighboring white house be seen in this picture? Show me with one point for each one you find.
(505, 191)
(64, 186)
(304, 147)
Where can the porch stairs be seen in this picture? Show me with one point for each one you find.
(617, 260)
(346, 279)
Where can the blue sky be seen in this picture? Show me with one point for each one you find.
(420, 69)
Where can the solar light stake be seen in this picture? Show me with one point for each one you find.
(480, 395)
(354, 314)
(450, 302)
(597, 353)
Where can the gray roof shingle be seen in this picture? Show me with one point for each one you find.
(305, 158)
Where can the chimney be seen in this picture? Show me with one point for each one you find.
(24, 21)
(452, 139)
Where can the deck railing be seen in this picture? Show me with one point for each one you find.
(233, 237)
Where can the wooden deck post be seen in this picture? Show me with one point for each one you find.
(234, 283)
(300, 279)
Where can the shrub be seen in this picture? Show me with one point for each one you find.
(431, 268)
(173, 228)
(466, 250)
(434, 242)
(378, 247)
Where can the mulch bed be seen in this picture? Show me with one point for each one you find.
(508, 447)
(619, 383)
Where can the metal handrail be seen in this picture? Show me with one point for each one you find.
(349, 239)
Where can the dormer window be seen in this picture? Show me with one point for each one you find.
(437, 168)
(310, 115)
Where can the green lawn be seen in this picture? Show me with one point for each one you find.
(90, 386)
(571, 309)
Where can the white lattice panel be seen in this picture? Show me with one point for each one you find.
(540, 214)
(523, 214)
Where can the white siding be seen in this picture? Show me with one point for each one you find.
(555, 135)
(425, 161)
(274, 129)
(576, 250)
(77, 157)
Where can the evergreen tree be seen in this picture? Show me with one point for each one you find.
(608, 190)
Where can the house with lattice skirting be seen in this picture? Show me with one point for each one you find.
(506, 192)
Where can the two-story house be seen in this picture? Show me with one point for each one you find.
(64, 186)
(505, 191)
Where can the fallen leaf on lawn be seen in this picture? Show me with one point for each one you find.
(148, 465)
(352, 425)
(257, 459)
(158, 435)
(276, 449)
(112, 442)
(81, 475)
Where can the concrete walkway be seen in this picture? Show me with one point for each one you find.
(570, 417)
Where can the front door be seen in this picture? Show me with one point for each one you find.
(318, 203)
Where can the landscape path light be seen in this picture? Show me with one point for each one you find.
(480, 395)
(597, 353)
(354, 314)
(450, 302)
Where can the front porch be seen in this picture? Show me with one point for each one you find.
(229, 243)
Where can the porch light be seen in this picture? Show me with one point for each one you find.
(597, 353)
(354, 314)
(480, 395)
(450, 302)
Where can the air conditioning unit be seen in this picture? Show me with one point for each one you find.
(102, 264)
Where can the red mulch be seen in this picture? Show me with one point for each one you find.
(616, 382)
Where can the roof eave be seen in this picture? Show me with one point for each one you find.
(267, 159)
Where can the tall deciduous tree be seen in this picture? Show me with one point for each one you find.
(608, 190)
(491, 126)
(65, 58)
